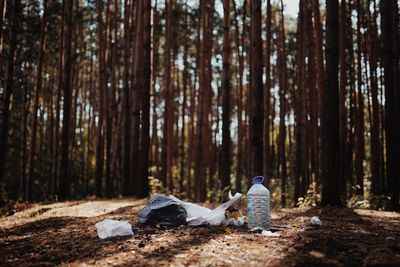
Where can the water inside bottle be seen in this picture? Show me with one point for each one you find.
(258, 205)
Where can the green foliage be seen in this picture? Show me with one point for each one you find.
(156, 186)
(358, 202)
(312, 197)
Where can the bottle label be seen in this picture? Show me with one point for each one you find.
(258, 210)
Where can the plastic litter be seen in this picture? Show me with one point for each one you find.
(194, 214)
(109, 228)
(316, 221)
(268, 233)
(258, 205)
(164, 211)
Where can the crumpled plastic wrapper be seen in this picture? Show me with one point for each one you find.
(109, 228)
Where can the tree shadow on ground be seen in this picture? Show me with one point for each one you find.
(62, 240)
(188, 238)
(57, 240)
(345, 239)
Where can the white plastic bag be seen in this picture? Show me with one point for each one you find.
(268, 233)
(198, 215)
(109, 228)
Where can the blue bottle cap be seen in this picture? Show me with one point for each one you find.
(258, 180)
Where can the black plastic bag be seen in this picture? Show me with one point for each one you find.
(164, 211)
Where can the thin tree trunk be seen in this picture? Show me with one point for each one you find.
(137, 99)
(342, 98)
(282, 108)
(299, 106)
(38, 88)
(3, 7)
(226, 88)
(360, 150)
(102, 85)
(184, 100)
(267, 96)
(375, 127)
(239, 97)
(145, 133)
(319, 62)
(27, 100)
(67, 91)
(169, 106)
(127, 188)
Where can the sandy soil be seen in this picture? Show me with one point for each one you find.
(64, 234)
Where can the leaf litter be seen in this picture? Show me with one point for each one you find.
(55, 236)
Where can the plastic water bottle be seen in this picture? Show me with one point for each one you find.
(258, 208)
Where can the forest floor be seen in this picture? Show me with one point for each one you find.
(64, 234)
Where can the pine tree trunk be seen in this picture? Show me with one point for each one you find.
(267, 96)
(226, 88)
(203, 147)
(38, 88)
(67, 92)
(375, 127)
(126, 162)
(299, 106)
(330, 111)
(320, 76)
(282, 108)
(239, 97)
(390, 57)
(145, 130)
(137, 99)
(3, 7)
(360, 128)
(342, 97)
(184, 104)
(257, 96)
(102, 83)
(169, 106)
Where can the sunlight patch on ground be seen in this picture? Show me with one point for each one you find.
(375, 213)
(69, 209)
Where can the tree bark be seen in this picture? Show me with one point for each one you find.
(342, 97)
(330, 111)
(67, 92)
(126, 162)
(320, 76)
(145, 130)
(375, 127)
(257, 97)
(282, 108)
(226, 88)
(360, 128)
(390, 57)
(9, 85)
(267, 96)
(3, 7)
(38, 88)
(137, 99)
(169, 104)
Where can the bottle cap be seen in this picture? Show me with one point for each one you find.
(258, 180)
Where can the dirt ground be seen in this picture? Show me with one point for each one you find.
(63, 234)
